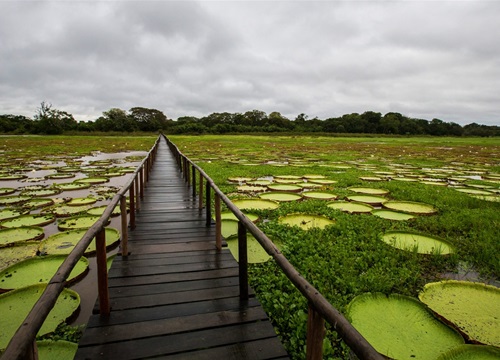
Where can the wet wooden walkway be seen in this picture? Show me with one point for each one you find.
(175, 296)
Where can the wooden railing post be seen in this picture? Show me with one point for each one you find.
(315, 334)
(123, 215)
(188, 173)
(102, 273)
(200, 193)
(136, 186)
(193, 170)
(218, 223)
(131, 198)
(243, 260)
(141, 180)
(208, 204)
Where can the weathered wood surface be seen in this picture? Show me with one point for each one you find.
(175, 296)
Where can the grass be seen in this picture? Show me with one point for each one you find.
(348, 258)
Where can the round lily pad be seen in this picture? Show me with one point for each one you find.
(13, 200)
(29, 220)
(38, 269)
(322, 181)
(471, 352)
(58, 349)
(239, 179)
(309, 185)
(472, 308)
(410, 207)
(41, 192)
(368, 199)
(351, 207)
(321, 195)
(15, 306)
(65, 210)
(60, 176)
(280, 196)
(73, 186)
(64, 242)
(288, 181)
(229, 227)
(258, 204)
(81, 201)
(11, 213)
(7, 177)
(99, 210)
(93, 180)
(401, 327)
(474, 191)
(284, 187)
(230, 215)
(14, 235)
(38, 203)
(7, 191)
(305, 221)
(255, 252)
(19, 251)
(420, 243)
(288, 177)
(77, 222)
(251, 188)
(369, 191)
(392, 215)
(259, 182)
(371, 178)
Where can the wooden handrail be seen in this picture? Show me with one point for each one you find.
(21, 345)
(318, 304)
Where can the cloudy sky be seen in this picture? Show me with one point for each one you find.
(425, 59)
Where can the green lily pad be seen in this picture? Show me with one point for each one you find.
(351, 207)
(64, 242)
(368, 199)
(29, 220)
(322, 181)
(77, 222)
(420, 243)
(38, 203)
(474, 191)
(280, 196)
(20, 251)
(369, 191)
(7, 191)
(93, 180)
(257, 204)
(41, 192)
(410, 207)
(65, 210)
(58, 349)
(305, 221)
(371, 178)
(471, 352)
(229, 227)
(9, 177)
(259, 182)
(11, 213)
(81, 201)
(472, 308)
(60, 176)
(230, 215)
(401, 327)
(13, 200)
(255, 252)
(284, 187)
(239, 179)
(73, 186)
(392, 215)
(39, 269)
(99, 210)
(309, 185)
(14, 235)
(251, 188)
(288, 181)
(288, 177)
(321, 195)
(15, 306)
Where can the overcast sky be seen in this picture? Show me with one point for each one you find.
(425, 59)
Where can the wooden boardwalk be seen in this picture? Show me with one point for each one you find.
(175, 296)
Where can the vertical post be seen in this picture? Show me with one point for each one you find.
(141, 185)
(194, 181)
(208, 205)
(200, 193)
(136, 185)
(131, 198)
(188, 173)
(102, 273)
(218, 224)
(243, 261)
(315, 334)
(123, 215)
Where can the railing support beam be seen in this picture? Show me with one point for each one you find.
(315, 334)
(218, 223)
(102, 273)
(243, 260)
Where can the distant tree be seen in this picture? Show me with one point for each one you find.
(148, 119)
(53, 121)
(17, 124)
(115, 120)
(371, 121)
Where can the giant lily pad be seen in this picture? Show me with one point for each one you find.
(471, 352)
(73, 186)
(81, 201)
(59, 349)
(473, 308)
(15, 306)
(305, 221)
(474, 191)
(14, 235)
(284, 187)
(368, 199)
(256, 253)
(420, 243)
(7, 191)
(369, 191)
(280, 196)
(230, 215)
(13, 254)
(93, 180)
(41, 192)
(257, 204)
(351, 207)
(229, 227)
(392, 215)
(13, 200)
(11, 213)
(77, 222)
(410, 207)
(29, 220)
(39, 269)
(99, 210)
(321, 195)
(251, 188)
(65, 210)
(323, 181)
(64, 242)
(38, 203)
(401, 327)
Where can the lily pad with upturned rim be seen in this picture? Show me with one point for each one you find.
(319, 195)
(56, 349)
(392, 215)
(230, 215)
(410, 207)
(65, 211)
(401, 327)
(471, 352)
(368, 191)
(77, 222)
(93, 180)
(15, 306)
(99, 210)
(38, 203)
(29, 220)
(73, 186)
(38, 269)
(306, 221)
(13, 200)
(420, 243)
(81, 201)
(257, 204)
(255, 254)
(373, 200)
(473, 308)
(11, 213)
(251, 188)
(11, 236)
(41, 192)
(7, 191)
(280, 196)
(229, 227)
(284, 187)
(351, 207)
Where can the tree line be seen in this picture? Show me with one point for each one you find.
(51, 121)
